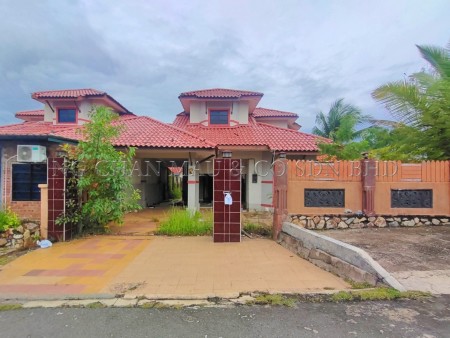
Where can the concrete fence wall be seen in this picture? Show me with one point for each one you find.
(370, 185)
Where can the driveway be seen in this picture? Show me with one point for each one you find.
(160, 267)
(417, 257)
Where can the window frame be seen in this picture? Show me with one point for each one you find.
(33, 180)
(227, 110)
(67, 108)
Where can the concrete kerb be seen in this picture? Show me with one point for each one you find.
(346, 252)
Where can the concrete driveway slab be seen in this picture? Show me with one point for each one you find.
(195, 267)
(417, 257)
(160, 267)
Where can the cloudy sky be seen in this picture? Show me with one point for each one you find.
(302, 54)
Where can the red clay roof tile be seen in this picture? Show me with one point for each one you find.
(38, 112)
(264, 112)
(67, 93)
(219, 93)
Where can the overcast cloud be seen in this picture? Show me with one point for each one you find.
(302, 55)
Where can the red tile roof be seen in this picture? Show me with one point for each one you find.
(144, 131)
(264, 112)
(67, 93)
(139, 131)
(38, 112)
(39, 128)
(219, 93)
(252, 134)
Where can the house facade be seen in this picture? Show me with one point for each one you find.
(212, 122)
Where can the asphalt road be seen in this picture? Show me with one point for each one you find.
(429, 318)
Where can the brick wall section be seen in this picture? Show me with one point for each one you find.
(25, 209)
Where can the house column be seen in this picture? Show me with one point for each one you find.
(193, 188)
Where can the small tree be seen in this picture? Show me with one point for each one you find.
(104, 174)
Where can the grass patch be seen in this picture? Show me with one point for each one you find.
(5, 260)
(155, 219)
(9, 307)
(258, 229)
(382, 293)
(95, 305)
(181, 222)
(359, 285)
(276, 299)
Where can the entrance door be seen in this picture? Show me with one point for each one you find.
(227, 200)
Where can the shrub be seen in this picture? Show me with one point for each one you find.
(8, 219)
(183, 222)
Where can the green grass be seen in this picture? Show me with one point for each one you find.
(182, 222)
(8, 307)
(381, 293)
(258, 229)
(276, 299)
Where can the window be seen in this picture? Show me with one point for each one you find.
(219, 117)
(67, 115)
(25, 180)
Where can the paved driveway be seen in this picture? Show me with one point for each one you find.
(418, 257)
(160, 267)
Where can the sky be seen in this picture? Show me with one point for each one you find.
(302, 55)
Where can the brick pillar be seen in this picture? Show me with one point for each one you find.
(369, 169)
(44, 210)
(280, 169)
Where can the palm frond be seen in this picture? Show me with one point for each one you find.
(438, 57)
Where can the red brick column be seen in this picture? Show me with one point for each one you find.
(280, 168)
(369, 169)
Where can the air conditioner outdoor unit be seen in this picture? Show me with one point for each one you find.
(31, 153)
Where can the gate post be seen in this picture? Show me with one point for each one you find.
(280, 172)
(369, 169)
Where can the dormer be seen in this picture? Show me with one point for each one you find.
(219, 107)
(72, 107)
(278, 118)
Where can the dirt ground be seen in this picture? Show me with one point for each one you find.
(401, 249)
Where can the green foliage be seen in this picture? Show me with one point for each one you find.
(183, 222)
(175, 189)
(381, 293)
(339, 113)
(8, 220)
(103, 175)
(9, 307)
(422, 106)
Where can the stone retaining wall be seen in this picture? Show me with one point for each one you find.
(352, 221)
(332, 255)
(21, 237)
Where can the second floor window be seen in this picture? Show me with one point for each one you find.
(219, 117)
(67, 115)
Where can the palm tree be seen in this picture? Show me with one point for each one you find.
(423, 102)
(328, 125)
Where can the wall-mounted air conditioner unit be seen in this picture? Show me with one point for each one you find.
(31, 153)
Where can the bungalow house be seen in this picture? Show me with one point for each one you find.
(212, 121)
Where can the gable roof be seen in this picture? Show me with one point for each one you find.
(67, 93)
(75, 94)
(265, 112)
(219, 93)
(253, 134)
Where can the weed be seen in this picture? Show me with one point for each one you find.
(359, 285)
(155, 219)
(95, 305)
(258, 229)
(381, 293)
(185, 223)
(276, 299)
(8, 307)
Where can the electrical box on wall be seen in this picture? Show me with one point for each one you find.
(31, 153)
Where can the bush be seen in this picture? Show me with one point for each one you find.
(182, 222)
(8, 219)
